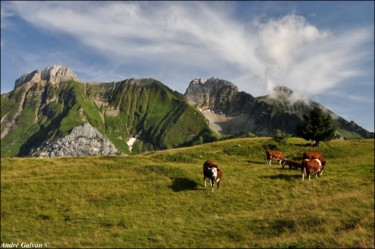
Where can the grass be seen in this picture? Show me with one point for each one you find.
(158, 199)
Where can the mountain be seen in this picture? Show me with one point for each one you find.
(231, 112)
(42, 114)
(51, 113)
(286, 100)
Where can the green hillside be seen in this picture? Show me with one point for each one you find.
(159, 117)
(158, 200)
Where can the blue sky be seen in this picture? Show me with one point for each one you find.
(322, 50)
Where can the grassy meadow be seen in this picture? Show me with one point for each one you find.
(158, 199)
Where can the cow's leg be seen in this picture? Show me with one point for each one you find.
(218, 184)
(212, 185)
(303, 170)
(204, 180)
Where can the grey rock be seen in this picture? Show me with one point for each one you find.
(83, 140)
(55, 74)
(212, 94)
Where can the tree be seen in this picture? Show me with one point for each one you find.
(317, 126)
(280, 136)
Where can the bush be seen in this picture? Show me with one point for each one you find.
(280, 137)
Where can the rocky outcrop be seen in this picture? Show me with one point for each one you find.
(212, 94)
(84, 140)
(228, 111)
(54, 75)
(283, 91)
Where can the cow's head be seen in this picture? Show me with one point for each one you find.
(214, 172)
(320, 172)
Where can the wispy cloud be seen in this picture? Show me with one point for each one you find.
(180, 39)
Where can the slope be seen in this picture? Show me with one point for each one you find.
(158, 199)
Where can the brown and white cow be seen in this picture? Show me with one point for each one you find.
(274, 155)
(311, 166)
(314, 155)
(292, 164)
(213, 172)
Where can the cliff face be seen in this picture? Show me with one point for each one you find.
(212, 94)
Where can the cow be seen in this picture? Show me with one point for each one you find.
(213, 172)
(314, 155)
(311, 166)
(292, 164)
(273, 154)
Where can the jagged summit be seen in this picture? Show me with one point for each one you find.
(212, 82)
(54, 74)
(198, 81)
(208, 91)
(283, 90)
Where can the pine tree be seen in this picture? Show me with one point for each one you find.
(317, 126)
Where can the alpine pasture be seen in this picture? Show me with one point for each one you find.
(158, 199)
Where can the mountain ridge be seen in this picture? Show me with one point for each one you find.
(281, 110)
(46, 105)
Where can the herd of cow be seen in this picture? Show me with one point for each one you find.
(313, 163)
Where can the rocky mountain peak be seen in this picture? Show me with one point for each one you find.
(212, 83)
(198, 81)
(201, 91)
(57, 73)
(282, 90)
(54, 75)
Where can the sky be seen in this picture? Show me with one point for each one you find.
(323, 50)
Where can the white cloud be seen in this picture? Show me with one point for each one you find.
(311, 61)
(179, 39)
(192, 36)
